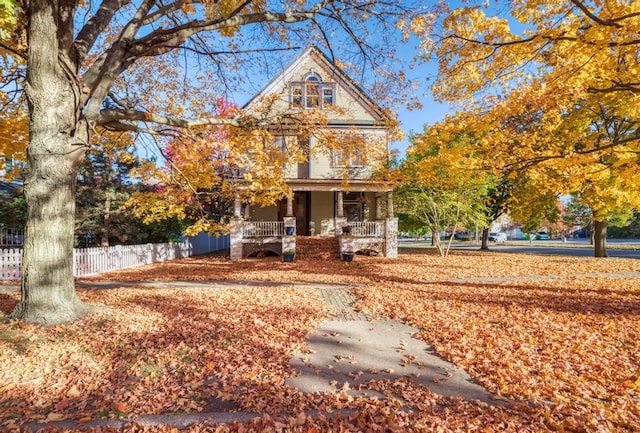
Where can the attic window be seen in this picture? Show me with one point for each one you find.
(311, 93)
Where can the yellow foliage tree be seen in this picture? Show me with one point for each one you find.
(554, 89)
(442, 184)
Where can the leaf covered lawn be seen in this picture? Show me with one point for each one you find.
(559, 336)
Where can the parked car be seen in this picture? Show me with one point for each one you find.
(497, 237)
(542, 236)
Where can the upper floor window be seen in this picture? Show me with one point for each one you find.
(342, 158)
(312, 92)
(353, 151)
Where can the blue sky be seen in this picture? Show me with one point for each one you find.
(414, 120)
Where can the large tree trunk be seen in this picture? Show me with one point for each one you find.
(600, 238)
(48, 294)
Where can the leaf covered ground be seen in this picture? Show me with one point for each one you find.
(557, 339)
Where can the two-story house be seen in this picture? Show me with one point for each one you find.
(335, 188)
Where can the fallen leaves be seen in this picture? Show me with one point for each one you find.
(561, 334)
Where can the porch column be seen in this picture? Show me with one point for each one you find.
(379, 206)
(391, 238)
(390, 204)
(390, 230)
(289, 206)
(237, 207)
(235, 238)
(340, 221)
(366, 208)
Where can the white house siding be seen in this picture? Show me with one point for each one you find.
(322, 211)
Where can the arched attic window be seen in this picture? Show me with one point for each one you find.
(312, 92)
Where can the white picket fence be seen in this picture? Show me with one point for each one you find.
(92, 261)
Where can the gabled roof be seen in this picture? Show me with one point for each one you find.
(341, 78)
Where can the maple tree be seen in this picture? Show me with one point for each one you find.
(155, 68)
(443, 184)
(566, 68)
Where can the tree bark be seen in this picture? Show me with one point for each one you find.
(600, 238)
(107, 217)
(48, 294)
(485, 239)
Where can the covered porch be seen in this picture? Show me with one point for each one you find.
(357, 215)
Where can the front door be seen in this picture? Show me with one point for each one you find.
(301, 210)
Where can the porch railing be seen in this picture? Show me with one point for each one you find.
(366, 229)
(262, 229)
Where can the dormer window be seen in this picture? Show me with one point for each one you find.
(311, 93)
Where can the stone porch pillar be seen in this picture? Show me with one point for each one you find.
(340, 220)
(235, 234)
(235, 238)
(391, 238)
(289, 241)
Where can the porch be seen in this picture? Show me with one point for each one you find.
(339, 233)
(260, 238)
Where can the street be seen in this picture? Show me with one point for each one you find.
(624, 248)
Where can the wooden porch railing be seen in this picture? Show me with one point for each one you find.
(366, 229)
(258, 229)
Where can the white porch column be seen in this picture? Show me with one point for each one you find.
(339, 220)
(237, 207)
(390, 204)
(340, 210)
(289, 206)
(379, 207)
(235, 234)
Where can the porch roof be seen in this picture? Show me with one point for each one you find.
(353, 185)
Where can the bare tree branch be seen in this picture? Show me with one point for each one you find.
(580, 5)
(96, 25)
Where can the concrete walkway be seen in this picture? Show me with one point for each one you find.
(354, 348)
(347, 350)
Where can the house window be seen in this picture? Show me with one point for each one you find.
(327, 97)
(353, 205)
(280, 142)
(354, 153)
(311, 93)
(296, 95)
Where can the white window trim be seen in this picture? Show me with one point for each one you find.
(336, 154)
(322, 98)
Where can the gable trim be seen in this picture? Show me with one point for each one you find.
(341, 78)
